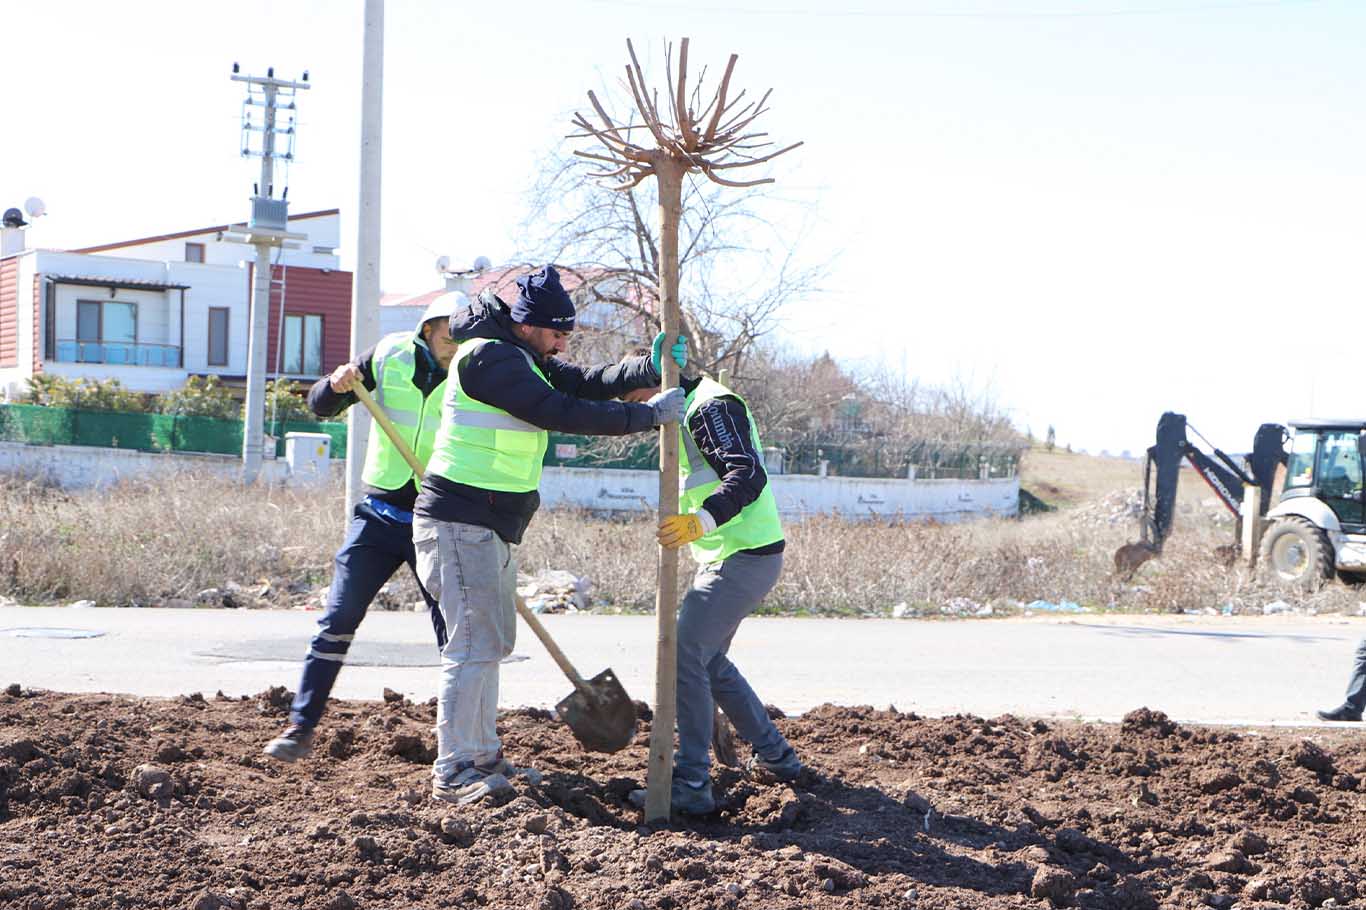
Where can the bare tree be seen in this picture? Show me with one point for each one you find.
(738, 264)
(684, 137)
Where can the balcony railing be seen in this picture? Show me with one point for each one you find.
(117, 353)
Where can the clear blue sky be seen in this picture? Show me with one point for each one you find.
(1102, 208)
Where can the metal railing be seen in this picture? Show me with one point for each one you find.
(117, 353)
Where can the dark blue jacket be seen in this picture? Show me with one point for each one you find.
(576, 401)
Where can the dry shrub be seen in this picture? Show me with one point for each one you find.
(139, 543)
(145, 543)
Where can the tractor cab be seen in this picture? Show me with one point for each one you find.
(1325, 462)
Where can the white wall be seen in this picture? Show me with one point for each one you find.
(152, 380)
(399, 318)
(322, 232)
(13, 381)
(592, 488)
(798, 494)
(86, 467)
(213, 286)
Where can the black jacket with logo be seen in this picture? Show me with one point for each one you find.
(721, 430)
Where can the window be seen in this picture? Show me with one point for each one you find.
(218, 336)
(1299, 472)
(1339, 465)
(106, 331)
(194, 252)
(303, 349)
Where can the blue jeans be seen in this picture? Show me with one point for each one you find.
(376, 545)
(722, 595)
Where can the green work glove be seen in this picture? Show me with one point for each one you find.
(679, 352)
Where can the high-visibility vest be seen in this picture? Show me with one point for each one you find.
(394, 363)
(758, 523)
(483, 446)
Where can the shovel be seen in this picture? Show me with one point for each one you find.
(599, 713)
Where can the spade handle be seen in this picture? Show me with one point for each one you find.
(522, 609)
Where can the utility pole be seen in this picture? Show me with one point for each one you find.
(365, 302)
(268, 229)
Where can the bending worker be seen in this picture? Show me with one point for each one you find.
(506, 390)
(730, 519)
(406, 372)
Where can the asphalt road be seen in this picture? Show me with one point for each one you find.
(1256, 670)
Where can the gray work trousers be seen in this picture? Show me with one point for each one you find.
(470, 571)
(722, 595)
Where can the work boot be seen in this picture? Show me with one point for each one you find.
(787, 768)
(687, 798)
(1343, 712)
(501, 765)
(684, 797)
(469, 784)
(293, 744)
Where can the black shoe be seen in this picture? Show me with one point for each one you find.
(1345, 712)
(293, 744)
(786, 768)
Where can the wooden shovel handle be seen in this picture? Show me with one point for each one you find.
(555, 653)
(381, 418)
(522, 609)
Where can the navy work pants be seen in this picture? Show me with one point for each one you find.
(376, 545)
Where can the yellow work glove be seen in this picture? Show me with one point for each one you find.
(677, 530)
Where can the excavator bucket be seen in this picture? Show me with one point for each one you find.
(1130, 556)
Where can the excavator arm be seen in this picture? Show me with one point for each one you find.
(1228, 480)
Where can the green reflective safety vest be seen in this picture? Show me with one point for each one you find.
(393, 364)
(484, 446)
(758, 524)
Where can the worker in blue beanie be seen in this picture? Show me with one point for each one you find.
(507, 389)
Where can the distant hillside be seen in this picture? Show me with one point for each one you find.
(1064, 479)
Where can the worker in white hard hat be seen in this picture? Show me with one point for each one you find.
(406, 373)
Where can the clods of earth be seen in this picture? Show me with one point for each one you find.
(112, 802)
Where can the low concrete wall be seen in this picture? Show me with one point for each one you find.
(600, 489)
(799, 494)
(90, 467)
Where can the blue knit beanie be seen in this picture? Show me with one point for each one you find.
(542, 301)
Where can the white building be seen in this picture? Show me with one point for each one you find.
(152, 311)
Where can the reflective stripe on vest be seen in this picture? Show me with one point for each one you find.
(416, 416)
(483, 446)
(758, 523)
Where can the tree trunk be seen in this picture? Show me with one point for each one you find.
(659, 777)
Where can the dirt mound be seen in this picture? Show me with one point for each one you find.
(120, 803)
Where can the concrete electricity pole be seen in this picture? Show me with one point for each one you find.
(267, 230)
(365, 302)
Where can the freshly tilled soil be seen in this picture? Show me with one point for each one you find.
(112, 802)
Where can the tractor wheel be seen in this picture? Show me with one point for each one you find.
(1295, 552)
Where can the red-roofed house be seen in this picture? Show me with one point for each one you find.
(153, 311)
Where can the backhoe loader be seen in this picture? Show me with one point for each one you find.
(1310, 520)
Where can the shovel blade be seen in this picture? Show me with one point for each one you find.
(603, 718)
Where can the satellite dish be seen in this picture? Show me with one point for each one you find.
(443, 264)
(481, 263)
(35, 207)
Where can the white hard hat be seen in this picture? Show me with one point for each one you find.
(442, 307)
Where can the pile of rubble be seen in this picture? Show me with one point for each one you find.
(1118, 508)
(554, 591)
